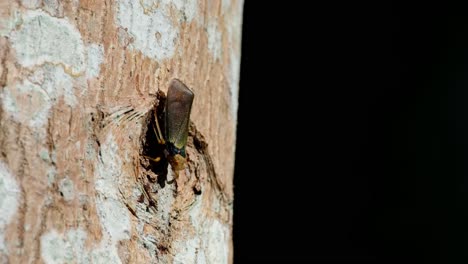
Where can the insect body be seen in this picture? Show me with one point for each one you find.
(176, 121)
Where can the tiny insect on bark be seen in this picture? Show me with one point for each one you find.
(179, 101)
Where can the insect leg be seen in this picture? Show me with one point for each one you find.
(157, 159)
(157, 131)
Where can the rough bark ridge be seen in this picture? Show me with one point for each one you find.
(79, 83)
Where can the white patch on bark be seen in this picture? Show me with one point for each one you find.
(152, 31)
(112, 213)
(59, 248)
(114, 218)
(149, 243)
(90, 152)
(46, 39)
(51, 174)
(95, 55)
(30, 101)
(210, 244)
(201, 258)
(216, 243)
(233, 77)
(195, 213)
(67, 189)
(146, 242)
(2, 244)
(70, 248)
(9, 21)
(225, 4)
(26, 103)
(56, 83)
(214, 39)
(159, 217)
(234, 31)
(53, 7)
(188, 8)
(44, 154)
(165, 198)
(105, 253)
(9, 202)
(187, 251)
(33, 4)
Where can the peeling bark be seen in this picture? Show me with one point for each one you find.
(80, 83)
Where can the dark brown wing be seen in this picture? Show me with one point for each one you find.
(178, 107)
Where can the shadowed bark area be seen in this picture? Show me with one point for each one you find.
(81, 83)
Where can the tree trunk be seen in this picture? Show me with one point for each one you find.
(81, 83)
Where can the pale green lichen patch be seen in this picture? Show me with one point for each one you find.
(42, 38)
(44, 154)
(9, 202)
(64, 248)
(31, 3)
(210, 242)
(94, 55)
(188, 8)
(51, 174)
(216, 242)
(214, 39)
(152, 32)
(56, 83)
(67, 189)
(112, 212)
(10, 20)
(113, 215)
(26, 103)
(232, 72)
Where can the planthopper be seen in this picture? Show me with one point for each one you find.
(177, 110)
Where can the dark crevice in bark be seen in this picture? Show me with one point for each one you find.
(200, 144)
(21, 172)
(3, 76)
(153, 151)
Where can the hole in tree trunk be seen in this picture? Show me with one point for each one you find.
(152, 149)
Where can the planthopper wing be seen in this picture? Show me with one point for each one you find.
(178, 106)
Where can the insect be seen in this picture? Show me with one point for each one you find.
(177, 110)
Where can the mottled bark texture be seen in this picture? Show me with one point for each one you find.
(79, 84)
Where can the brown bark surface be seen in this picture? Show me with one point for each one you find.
(78, 88)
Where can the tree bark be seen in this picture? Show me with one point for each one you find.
(81, 81)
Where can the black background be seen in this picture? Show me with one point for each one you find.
(351, 133)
